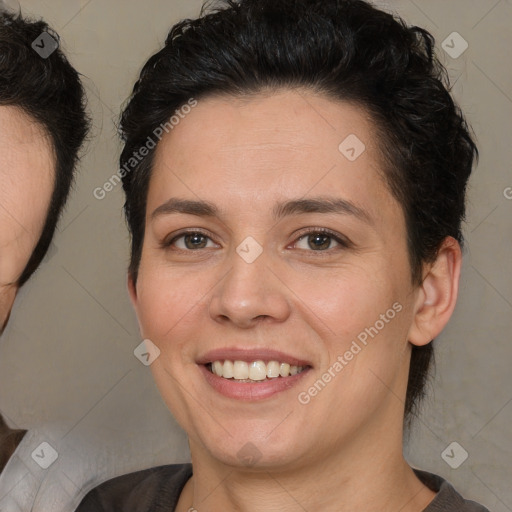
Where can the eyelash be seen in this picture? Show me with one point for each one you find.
(343, 242)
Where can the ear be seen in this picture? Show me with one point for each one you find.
(437, 294)
(132, 291)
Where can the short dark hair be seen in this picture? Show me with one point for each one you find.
(49, 91)
(347, 50)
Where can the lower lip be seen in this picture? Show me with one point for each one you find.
(249, 391)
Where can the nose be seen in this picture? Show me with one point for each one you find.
(249, 293)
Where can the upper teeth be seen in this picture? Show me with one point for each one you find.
(257, 370)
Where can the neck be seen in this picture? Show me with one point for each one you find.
(369, 473)
(9, 441)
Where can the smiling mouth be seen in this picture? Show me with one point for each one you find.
(255, 371)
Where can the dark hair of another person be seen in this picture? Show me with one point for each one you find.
(346, 50)
(9, 440)
(48, 91)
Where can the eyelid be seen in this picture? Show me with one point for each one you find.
(168, 240)
(340, 239)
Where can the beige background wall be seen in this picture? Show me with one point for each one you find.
(67, 356)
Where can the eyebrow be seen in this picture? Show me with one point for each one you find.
(283, 209)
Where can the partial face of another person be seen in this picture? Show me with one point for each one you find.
(27, 168)
(261, 276)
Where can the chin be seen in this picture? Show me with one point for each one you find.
(245, 448)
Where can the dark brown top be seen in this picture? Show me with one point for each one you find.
(9, 441)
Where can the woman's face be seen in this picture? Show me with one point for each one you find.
(254, 266)
(26, 184)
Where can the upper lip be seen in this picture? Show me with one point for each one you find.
(249, 355)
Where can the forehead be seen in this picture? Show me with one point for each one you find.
(26, 155)
(27, 168)
(17, 127)
(264, 147)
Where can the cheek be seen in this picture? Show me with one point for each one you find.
(168, 301)
(7, 296)
(347, 299)
(363, 321)
(15, 256)
(22, 217)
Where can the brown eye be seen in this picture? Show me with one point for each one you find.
(191, 240)
(195, 241)
(319, 241)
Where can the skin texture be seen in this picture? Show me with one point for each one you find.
(343, 450)
(26, 183)
(27, 168)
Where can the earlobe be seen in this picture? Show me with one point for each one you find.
(437, 295)
(132, 291)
